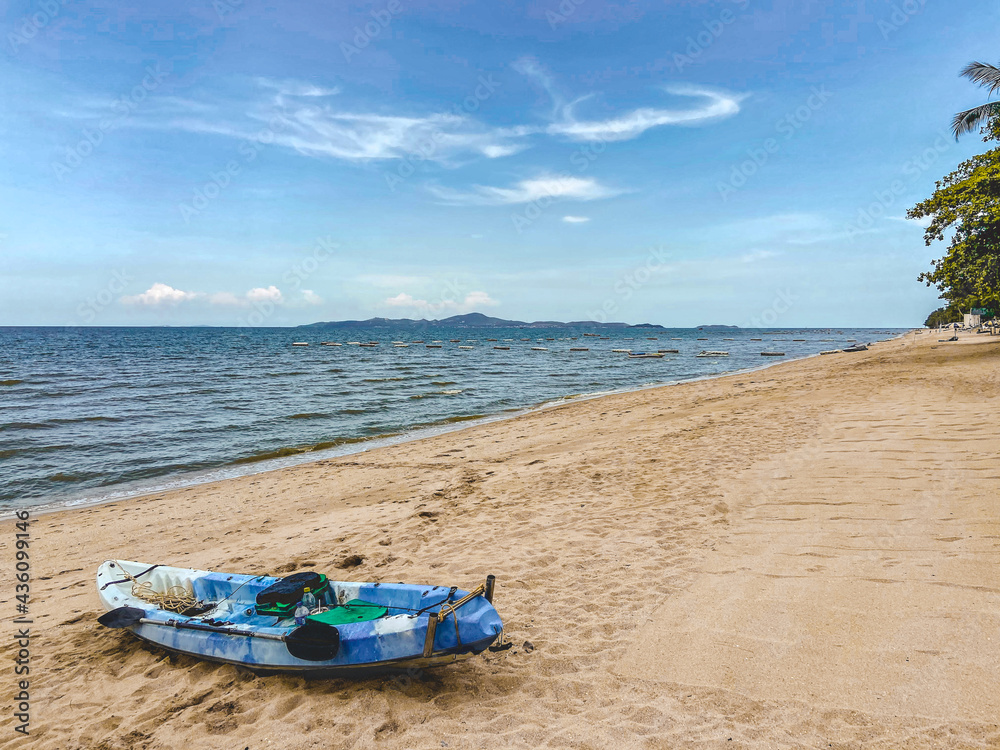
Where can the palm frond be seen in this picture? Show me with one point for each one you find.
(970, 119)
(984, 74)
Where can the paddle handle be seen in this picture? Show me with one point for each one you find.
(212, 629)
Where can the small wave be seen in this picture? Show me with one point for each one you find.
(443, 382)
(298, 450)
(451, 393)
(350, 441)
(27, 426)
(11, 382)
(382, 380)
(353, 411)
(85, 419)
(279, 453)
(309, 415)
(452, 420)
(284, 374)
(67, 478)
(53, 394)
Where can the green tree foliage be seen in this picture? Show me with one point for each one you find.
(966, 203)
(943, 316)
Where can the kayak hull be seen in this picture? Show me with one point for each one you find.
(395, 641)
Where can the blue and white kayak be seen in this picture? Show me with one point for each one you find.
(354, 626)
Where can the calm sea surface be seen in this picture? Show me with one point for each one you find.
(89, 414)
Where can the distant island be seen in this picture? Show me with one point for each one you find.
(474, 320)
(718, 328)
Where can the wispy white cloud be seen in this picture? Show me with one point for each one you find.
(256, 295)
(310, 120)
(313, 120)
(576, 219)
(496, 150)
(262, 294)
(159, 295)
(310, 297)
(297, 88)
(531, 68)
(754, 256)
(472, 302)
(321, 131)
(924, 221)
(226, 299)
(714, 105)
(526, 191)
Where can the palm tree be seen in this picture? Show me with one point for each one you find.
(970, 119)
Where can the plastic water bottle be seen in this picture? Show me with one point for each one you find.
(301, 613)
(309, 600)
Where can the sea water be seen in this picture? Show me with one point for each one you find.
(91, 414)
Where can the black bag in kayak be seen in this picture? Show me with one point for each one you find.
(281, 597)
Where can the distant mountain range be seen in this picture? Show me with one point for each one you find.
(473, 320)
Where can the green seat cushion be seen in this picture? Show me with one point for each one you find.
(354, 611)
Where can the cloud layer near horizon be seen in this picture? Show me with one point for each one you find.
(470, 303)
(164, 295)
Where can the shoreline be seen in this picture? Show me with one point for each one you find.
(801, 553)
(252, 467)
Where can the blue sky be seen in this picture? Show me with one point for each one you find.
(248, 163)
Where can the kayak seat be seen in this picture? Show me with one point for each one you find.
(355, 610)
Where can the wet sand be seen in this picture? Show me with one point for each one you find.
(807, 555)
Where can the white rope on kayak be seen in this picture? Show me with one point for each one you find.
(174, 599)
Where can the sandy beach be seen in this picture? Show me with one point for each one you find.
(802, 556)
